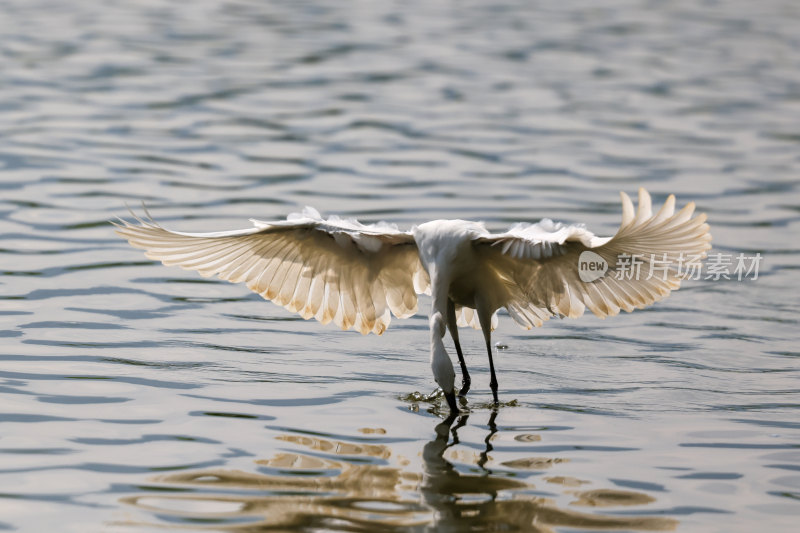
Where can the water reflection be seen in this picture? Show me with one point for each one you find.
(352, 486)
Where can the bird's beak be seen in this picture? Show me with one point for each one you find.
(451, 401)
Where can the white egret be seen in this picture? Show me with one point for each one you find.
(357, 275)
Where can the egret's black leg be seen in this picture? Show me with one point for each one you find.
(453, 327)
(451, 401)
(486, 326)
(493, 381)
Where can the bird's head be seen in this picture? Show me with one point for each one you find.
(442, 367)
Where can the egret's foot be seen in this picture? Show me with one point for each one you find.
(451, 401)
(464, 387)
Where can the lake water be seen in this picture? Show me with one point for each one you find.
(136, 397)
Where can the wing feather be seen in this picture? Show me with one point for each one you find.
(627, 209)
(333, 270)
(540, 268)
(288, 285)
(381, 309)
(348, 304)
(246, 259)
(316, 289)
(300, 299)
(331, 307)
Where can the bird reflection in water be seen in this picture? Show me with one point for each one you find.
(348, 486)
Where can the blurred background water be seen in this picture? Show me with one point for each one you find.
(135, 397)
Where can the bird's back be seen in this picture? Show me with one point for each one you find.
(456, 270)
(443, 244)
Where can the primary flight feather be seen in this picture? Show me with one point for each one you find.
(357, 275)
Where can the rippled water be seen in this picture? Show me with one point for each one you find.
(136, 397)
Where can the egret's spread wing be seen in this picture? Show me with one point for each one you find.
(333, 270)
(467, 316)
(539, 264)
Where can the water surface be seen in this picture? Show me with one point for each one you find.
(136, 397)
